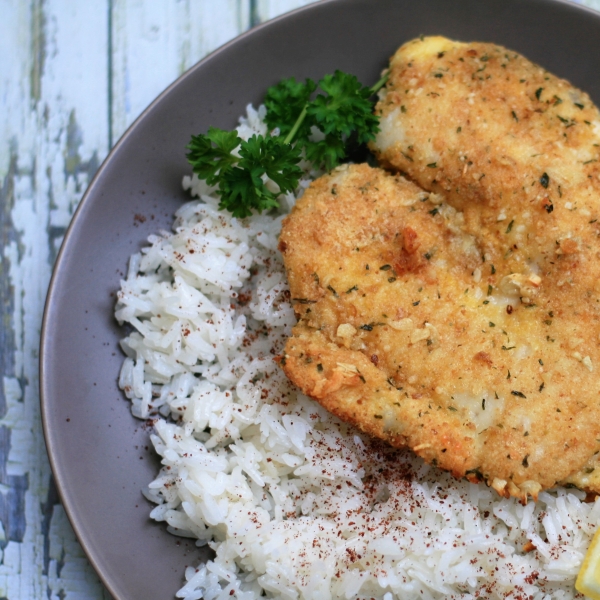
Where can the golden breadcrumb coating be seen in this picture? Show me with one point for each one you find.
(414, 326)
(517, 150)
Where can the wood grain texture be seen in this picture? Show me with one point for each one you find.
(73, 77)
(45, 167)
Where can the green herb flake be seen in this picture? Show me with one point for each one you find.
(518, 394)
(538, 92)
(332, 291)
(510, 226)
(544, 180)
(492, 324)
(320, 368)
(393, 384)
(385, 267)
(432, 165)
(239, 179)
(489, 290)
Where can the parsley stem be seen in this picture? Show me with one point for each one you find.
(290, 136)
(292, 133)
(375, 88)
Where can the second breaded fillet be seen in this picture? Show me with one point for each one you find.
(402, 332)
(517, 150)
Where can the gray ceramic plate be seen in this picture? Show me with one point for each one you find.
(97, 449)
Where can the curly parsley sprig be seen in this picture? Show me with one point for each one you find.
(320, 128)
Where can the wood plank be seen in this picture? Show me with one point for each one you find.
(155, 42)
(595, 4)
(269, 9)
(57, 124)
(57, 136)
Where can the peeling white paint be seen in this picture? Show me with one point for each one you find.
(56, 127)
(155, 42)
(57, 120)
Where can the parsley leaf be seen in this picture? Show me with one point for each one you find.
(322, 129)
(284, 102)
(242, 187)
(274, 158)
(327, 153)
(346, 109)
(208, 161)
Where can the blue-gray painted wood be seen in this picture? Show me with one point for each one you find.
(73, 77)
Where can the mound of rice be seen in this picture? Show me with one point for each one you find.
(294, 503)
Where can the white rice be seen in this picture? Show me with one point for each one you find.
(294, 503)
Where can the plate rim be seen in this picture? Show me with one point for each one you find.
(45, 371)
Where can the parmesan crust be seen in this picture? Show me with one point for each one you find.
(396, 335)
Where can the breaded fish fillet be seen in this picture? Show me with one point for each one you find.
(516, 149)
(472, 341)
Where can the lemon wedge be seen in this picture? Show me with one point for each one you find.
(588, 580)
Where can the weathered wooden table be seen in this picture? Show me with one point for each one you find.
(73, 77)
